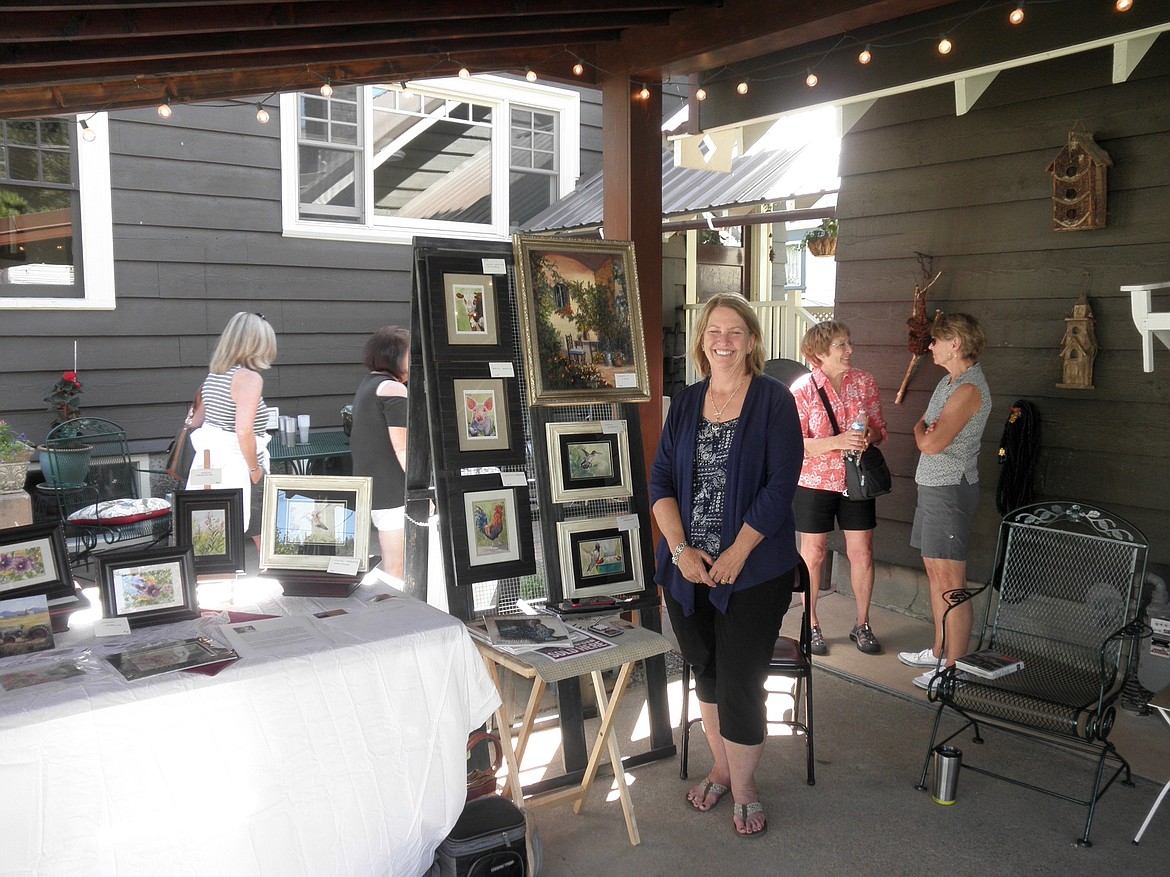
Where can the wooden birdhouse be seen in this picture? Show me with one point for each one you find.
(1078, 349)
(1078, 184)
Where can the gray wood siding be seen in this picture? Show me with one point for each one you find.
(197, 237)
(973, 193)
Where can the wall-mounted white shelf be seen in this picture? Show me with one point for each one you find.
(1149, 323)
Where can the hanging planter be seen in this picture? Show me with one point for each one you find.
(822, 240)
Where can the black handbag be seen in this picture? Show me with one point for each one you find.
(866, 474)
(181, 453)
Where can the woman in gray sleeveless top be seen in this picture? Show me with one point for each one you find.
(949, 436)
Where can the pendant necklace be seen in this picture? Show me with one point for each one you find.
(719, 409)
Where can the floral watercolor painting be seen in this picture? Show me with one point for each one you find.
(23, 564)
(143, 588)
(209, 532)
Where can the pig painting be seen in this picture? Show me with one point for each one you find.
(479, 415)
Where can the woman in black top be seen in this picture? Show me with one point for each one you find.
(378, 437)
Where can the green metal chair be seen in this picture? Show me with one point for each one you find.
(94, 485)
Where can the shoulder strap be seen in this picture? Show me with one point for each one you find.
(828, 408)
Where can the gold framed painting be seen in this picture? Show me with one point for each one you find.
(581, 321)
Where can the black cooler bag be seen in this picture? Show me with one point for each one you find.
(489, 840)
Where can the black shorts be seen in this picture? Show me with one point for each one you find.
(816, 510)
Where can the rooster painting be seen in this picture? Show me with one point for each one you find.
(491, 532)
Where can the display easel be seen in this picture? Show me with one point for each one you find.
(429, 480)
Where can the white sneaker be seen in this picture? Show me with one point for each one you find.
(925, 679)
(925, 658)
(929, 676)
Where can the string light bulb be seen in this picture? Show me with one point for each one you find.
(944, 45)
(644, 94)
(811, 80)
(864, 56)
(742, 88)
(578, 68)
(262, 114)
(700, 93)
(464, 73)
(87, 133)
(164, 109)
(530, 74)
(326, 89)
(1016, 16)
(1123, 5)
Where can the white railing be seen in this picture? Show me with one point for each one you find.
(782, 323)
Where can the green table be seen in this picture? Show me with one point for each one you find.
(297, 458)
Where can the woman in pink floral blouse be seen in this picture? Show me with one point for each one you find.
(820, 503)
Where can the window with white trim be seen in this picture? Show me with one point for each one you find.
(56, 230)
(460, 158)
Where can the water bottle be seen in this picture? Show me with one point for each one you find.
(858, 425)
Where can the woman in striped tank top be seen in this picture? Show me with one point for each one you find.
(232, 417)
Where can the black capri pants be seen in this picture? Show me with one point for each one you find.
(730, 652)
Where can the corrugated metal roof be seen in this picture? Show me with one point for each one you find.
(753, 179)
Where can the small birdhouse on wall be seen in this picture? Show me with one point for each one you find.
(1078, 184)
(1078, 348)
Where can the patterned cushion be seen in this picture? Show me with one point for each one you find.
(113, 512)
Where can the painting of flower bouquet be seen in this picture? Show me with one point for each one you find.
(149, 587)
(581, 318)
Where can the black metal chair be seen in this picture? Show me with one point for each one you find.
(791, 659)
(96, 493)
(1066, 601)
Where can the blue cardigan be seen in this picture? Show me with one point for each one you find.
(762, 470)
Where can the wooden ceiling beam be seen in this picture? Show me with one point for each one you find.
(437, 39)
(534, 50)
(48, 22)
(130, 92)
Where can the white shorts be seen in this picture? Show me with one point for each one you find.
(388, 519)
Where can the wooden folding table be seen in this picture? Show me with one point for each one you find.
(634, 645)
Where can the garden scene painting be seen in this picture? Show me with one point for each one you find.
(22, 566)
(209, 532)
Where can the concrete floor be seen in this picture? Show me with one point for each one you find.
(864, 815)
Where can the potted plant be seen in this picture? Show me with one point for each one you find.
(822, 240)
(15, 452)
(64, 458)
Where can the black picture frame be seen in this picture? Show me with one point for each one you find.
(483, 492)
(34, 560)
(212, 523)
(444, 271)
(153, 586)
(462, 384)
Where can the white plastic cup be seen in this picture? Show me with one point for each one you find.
(303, 428)
(288, 429)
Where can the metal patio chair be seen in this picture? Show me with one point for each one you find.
(99, 502)
(1067, 583)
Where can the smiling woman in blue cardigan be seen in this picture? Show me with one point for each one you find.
(721, 488)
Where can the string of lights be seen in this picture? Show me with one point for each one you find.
(943, 41)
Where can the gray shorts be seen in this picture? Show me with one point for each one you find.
(942, 521)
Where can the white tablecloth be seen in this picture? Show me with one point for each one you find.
(345, 759)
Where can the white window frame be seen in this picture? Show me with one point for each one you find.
(495, 91)
(96, 232)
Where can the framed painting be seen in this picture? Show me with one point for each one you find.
(469, 302)
(599, 557)
(34, 560)
(588, 460)
(467, 306)
(581, 319)
(491, 530)
(316, 522)
(480, 416)
(212, 523)
(155, 586)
